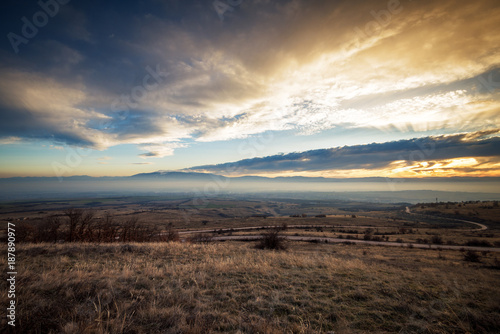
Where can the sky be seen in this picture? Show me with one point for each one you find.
(250, 87)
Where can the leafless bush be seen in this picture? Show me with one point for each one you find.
(47, 230)
(437, 240)
(24, 232)
(477, 242)
(471, 256)
(272, 240)
(170, 235)
(368, 234)
(134, 231)
(201, 238)
(105, 230)
(79, 224)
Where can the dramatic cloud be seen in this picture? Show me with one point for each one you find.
(169, 75)
(430, 156)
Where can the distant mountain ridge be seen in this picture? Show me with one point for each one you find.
(207, 184)
(197, 176)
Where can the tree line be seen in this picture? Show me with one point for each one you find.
(81, 225)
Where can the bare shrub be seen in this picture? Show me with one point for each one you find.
(272, 240)
(24, 232)
(472, 256)
(477, 242)
(201, 238)
(129, 230)
(133, 230)
(437, 240)
(79, 224)
(368, 234)
(170, 235)
(74, 216)
(105, 230)
(128, 248)
(48, 230)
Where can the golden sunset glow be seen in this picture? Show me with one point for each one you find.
(446, 168)
(443, 168)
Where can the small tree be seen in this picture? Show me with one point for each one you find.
(74, 217)
(79, 224)
(25, 232)
(47, 231)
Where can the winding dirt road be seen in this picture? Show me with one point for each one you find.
(250, 228)
(482, 227)
(366, 242)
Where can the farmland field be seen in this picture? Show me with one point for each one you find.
(209, 285)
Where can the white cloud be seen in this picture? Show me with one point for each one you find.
(160, 150)
(300, 66)
(10, 140)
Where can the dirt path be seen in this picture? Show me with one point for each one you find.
(375, 243)
(482, 227)
(250, 228)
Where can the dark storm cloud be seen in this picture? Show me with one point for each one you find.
(370, 156)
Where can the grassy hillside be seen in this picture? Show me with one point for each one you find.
(234, 288)
(487, 212)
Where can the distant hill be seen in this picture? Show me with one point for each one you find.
(377, 189)
(176, 175)
(210, 176)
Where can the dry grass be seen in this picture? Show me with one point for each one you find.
(234, 288)
(488, 212)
